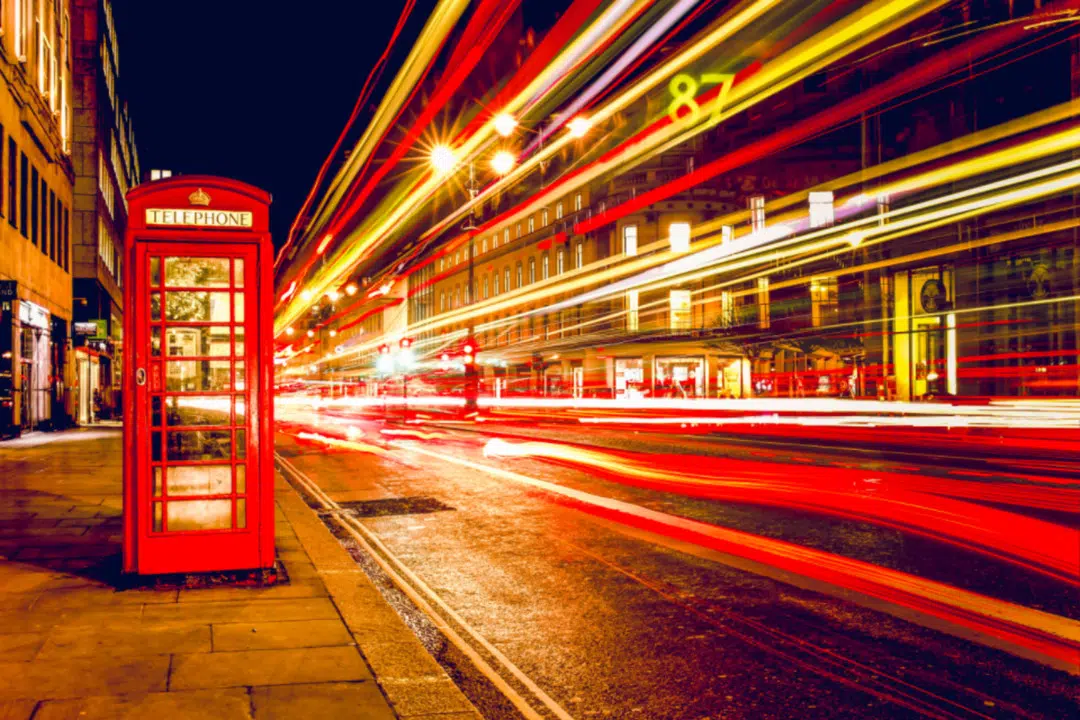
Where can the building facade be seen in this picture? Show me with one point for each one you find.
(36, 121)
(106, 164)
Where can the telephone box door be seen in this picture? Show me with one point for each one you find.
(196, 368)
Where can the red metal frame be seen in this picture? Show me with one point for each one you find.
(150, 551)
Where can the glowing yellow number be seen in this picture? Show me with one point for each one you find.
(683, 89)
(724, 80)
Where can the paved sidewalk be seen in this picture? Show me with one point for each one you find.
(72, 646)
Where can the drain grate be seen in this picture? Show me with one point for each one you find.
(418, 505)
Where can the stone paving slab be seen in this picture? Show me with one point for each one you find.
(280, 635)
(355, 700)
(267, 667)
(77, 677)
(223, 704)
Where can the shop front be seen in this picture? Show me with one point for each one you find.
(629, 378)
(679, 377)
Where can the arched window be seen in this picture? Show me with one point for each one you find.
(457, 296)
(519, 276)
(558, 211)
(560, 262)
(495, 282)
(545, 269)
(577, 202)
(483, 245)
(579, 255)
(544, 217)
(532, 270)
(506, 278)
(519, 230)
(442, 301)
(532, 223)
(506, 236)
(485, 296)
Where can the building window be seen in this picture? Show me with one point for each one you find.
(560, 262)
(727, 309)
(680, 310)
(558, 210)
(24, 195)
(545, 267)
(457, 296)
(34, 229)
(821, 209)
(757, 213)
(763, 302)
(519, 275)
(532, 270)
(518, 230)
(579, 256)
(457, 258)
(442, 301)
(22, 28)
(577, 203)
(544, 217)
(824, 301)
(65, 238)
(506, 279)
(629, 240)
(632, 299)
(485, 287)
(44, 219)
(495, 283)
(532, 223)
(52, 226)
(12, 179)
(679, 237)
(483, 245)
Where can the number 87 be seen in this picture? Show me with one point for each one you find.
(684, 89)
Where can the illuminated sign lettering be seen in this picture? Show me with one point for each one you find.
(199, 218)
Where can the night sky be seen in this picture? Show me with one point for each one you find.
(250, 89)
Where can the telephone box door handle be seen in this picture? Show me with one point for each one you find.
(140, 376)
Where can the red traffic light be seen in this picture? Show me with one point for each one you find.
(468, 349)
(405, 343)
(468, 359)
(384, 349)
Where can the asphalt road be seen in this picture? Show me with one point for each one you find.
(589, 611)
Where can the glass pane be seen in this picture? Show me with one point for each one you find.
(157, 481)
(238, 339)
(241, 446)
(197, 341)
(241, 479)
(197, 306)
(241, 410)
(199, 445)
(155, 306)
(155, 411)
(155, 271)
(196, 272)
(239, 300)
(200, 480)
(240, 377)
(155, 341)
(197, 411)
(155, 446)
(238, 272)
(200, 515)
(241, 513)
(197, 375)
(157, 517)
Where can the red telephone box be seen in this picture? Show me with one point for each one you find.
(198, 377)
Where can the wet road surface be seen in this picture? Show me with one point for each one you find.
(585, 615)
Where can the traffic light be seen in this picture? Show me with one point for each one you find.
(384, 349)
(405, 343)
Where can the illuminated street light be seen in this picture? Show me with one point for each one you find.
(579, 126)
(306, 295)
(311, 333)
(333, 333)
(333, 296)
(855, 238)
(503, 162)
(505, 124)
(351, 289)
(443, 159)
(289, 331)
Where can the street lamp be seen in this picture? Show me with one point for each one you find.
(505, 124)
(579, 126)
(503, 162)
(443, 159)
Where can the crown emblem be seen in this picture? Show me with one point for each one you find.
(199, 197)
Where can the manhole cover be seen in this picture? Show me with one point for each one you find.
(395, 506)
